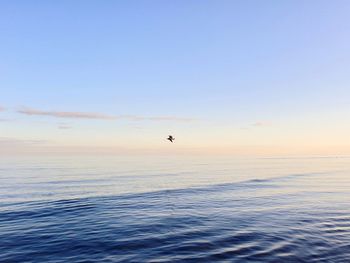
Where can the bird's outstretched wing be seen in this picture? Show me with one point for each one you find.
(171, 138)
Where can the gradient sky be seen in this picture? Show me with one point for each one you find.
(234, 76)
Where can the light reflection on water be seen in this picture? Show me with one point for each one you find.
(144, 209)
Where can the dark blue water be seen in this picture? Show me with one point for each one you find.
(259, 210)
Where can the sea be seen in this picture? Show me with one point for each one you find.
(174, 209)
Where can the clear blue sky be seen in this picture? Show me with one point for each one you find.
(231, 73)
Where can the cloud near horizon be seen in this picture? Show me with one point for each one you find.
(66, 114)
(64, 127)
(93, 115)
(17, 141)
(261, 124)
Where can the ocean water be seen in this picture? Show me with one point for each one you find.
(174, 209)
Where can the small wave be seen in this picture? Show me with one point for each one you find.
(256, 220)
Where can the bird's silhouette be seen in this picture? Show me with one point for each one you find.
(171, 138)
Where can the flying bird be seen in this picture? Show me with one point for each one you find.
(171, 138)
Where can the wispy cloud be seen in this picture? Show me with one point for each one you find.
(101, 116)
(15, 141)
(28, 146)
(258, 124)
(2, 108)
(261, 124)
(170, 118)
(66, 114)
(158, 118)
(64, 127)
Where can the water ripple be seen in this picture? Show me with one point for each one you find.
(298, 217)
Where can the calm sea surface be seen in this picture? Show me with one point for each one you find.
(174, 209)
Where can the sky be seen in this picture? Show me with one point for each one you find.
(221, 76)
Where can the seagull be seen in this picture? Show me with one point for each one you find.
(171, 138)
